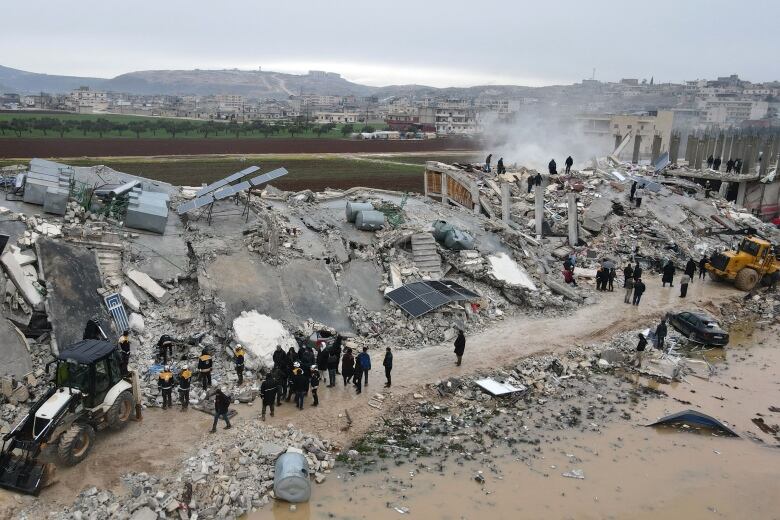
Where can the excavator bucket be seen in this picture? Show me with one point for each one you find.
(20, 471)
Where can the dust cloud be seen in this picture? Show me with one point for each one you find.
(531, 140)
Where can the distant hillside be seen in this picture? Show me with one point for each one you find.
(253, 84)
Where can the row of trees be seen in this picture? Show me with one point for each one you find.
(169, 127)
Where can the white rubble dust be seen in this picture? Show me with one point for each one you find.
(259, 334)
(506, 269)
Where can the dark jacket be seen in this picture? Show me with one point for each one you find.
(322, 359)
(661, 330)
(300, 381)
(538, 179)
(238, 359)
(628, 272)
(347, 365)
(669, 271)
(333, 358)
(642, 343)
(268, 390)
(165, 381)
(639, 288)
(702, 263)
(314, 380)
(690, 268)
(460, 344)
(388, 361)
(292, 357)
(364, 360)
(205, 363)
(569, 161)
(307, 358)
(280, 358)
(358, 373)
(185, 379)
(221, 402)
(637, 272)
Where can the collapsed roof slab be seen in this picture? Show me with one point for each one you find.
(298, 291)
(13, 351)
(72, 280)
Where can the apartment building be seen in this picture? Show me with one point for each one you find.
(86, 100)
(730, 109)
(455, 119)
(336, 117)
(606, 127)
(230, 102)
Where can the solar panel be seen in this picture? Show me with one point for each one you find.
(227, 180)
(195, 204)
(227, 191)
(266, 177)
(418, 298)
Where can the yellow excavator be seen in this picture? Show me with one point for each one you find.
(754, 261)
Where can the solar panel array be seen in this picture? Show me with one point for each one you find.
(418, 298)
(227, 180)
(222, 189)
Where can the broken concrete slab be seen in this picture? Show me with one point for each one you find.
(14, 351)
(563, 290)
(72, 282)
(596, 214)
(361, 280)
(130, 299)
(145, 282)
(22, 282)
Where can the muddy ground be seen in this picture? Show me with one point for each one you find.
(165, 437)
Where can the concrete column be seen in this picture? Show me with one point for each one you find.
(719, 146)
(674, 148)
(506, 202)
(425, 182)
(766, 157)
(696, 155)
(444, 197)
(656, 151)
(637, 144)
(690, 150)
(618, 140)
(728, 147)
(747, 155)
(739, 143)
(539, 208)
(741, 193)
(571, 198)
(724, 188)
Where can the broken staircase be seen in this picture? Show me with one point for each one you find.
(425, 255)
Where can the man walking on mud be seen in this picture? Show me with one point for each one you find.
(460, 347)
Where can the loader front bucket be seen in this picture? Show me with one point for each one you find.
(22, 474)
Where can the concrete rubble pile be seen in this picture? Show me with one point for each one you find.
(230, 476)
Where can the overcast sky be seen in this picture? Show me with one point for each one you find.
(439, 43)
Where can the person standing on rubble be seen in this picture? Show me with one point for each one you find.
(601, 278)
(568, 276)
(530, 182)
(552, 167)
(314, 383)
(538, 180)
(668, 276)
(268, 393)
(347, 365)
(640, 350)
(639, 195)
(165, 346)
(729, 165)
(300, 383)
(632, 192)
(703, 266)
(388, 364)
(124, 351)
(487, 162)
(292, 358)
(569, 163)
(460, 346)
(357, 377)
(205, 364)
(364, 360)
(639, 290)
(628, 285)
(710, 160)
(500, 166)
(685, 279)
(185, 379)
(660, 334)
(322, 359)
(628, 274)
(716, 164)
(221, 409)
(165, 384)
(738, 166)
(637, 272)
(333, 365)
(690, 268)
(238, 361)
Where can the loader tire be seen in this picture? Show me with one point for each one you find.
(716, 277)
(76, 443)
(121, 411)
(746, 279)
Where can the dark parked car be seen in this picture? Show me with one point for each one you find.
(700, 327)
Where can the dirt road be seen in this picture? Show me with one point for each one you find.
(163, 438)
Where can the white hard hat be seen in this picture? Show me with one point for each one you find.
(167, 368)
(185, 367)
(314, 367)
(297, 364)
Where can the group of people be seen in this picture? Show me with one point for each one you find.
(552, 167)
(605, 276)
(637, 193)
(734, 165)
(661, 330)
